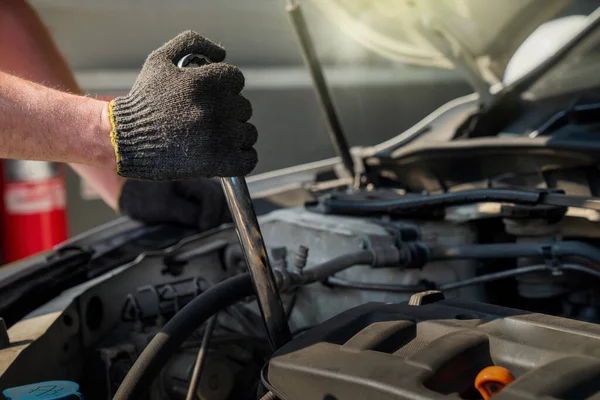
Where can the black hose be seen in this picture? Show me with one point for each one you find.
(437, 201)
(331, 267)
(177, 330)
(433, 201)
(516, 250)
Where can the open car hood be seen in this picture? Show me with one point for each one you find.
(476, 37)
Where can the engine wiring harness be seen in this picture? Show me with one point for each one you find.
(379, 251)
(400, 248)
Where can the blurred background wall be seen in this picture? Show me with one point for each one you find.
(106, 42)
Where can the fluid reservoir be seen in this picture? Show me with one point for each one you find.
(49, 390)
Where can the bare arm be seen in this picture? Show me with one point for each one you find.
(38, 123)
(30, 53)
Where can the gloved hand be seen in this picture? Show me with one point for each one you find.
(181, 123)
(198, 203)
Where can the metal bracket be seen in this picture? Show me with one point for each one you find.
(551, 261)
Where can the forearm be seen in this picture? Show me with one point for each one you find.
(105, 182)
(31, 54)
(38, 123)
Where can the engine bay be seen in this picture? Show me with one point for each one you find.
(388, 291)
(349, 281)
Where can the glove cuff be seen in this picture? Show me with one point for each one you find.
(133, 140)
(113, 133)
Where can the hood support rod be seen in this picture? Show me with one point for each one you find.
(336, 133)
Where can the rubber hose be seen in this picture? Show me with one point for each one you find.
(516, 250)
(412, 203)
(177, 330)
(331, 267)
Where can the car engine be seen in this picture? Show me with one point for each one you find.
(408, 292)
(435, 348)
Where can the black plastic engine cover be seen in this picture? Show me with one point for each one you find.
(434, 351)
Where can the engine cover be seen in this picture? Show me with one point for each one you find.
(435, 351)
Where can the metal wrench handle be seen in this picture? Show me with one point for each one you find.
(253, 245)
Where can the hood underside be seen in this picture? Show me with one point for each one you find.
(474, 35)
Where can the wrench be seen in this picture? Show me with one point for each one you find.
(253, 245)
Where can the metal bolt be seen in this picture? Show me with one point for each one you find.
(301, 257)
(193, 60)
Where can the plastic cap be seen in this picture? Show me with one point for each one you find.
(50, 390)
(491, 380)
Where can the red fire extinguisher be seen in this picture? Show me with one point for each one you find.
(34, 215)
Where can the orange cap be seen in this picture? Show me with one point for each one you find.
(491, 380)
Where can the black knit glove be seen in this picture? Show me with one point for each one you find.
(181, 123)
(197, 203)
